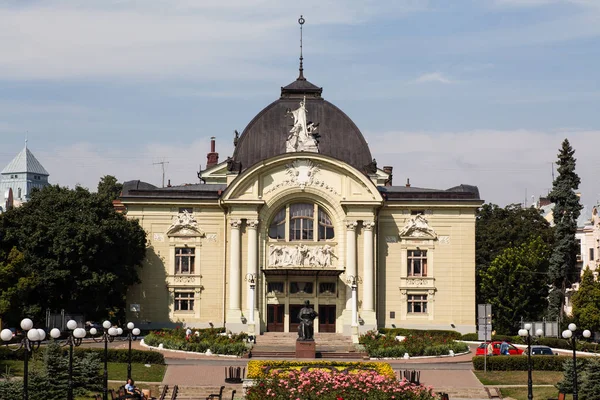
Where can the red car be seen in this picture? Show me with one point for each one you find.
(482, 349)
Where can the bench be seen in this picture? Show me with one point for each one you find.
(216, 396)
(561, 396)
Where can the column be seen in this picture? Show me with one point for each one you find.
(252, 230)
(350, 258)
(369, 271)
(235, 266)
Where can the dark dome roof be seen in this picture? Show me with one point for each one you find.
(266, 135)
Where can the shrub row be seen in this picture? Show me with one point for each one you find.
(114, 355)
(223, 345)
(435, 333)
(399, 351)
(556, 343)
(519, 363)
(258, 369)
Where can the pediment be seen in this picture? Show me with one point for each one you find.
(418, 227)
(184, 224)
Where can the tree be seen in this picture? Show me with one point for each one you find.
(109, 188)
(515, 285)
(586, 302)
(79, 254)
(590, 385)
(563, 271)
(498, 229)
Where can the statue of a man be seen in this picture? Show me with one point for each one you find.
(306, 316)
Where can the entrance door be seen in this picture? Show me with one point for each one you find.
(294, 320)
(327, 318)
(275, 316)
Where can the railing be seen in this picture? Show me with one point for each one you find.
(174, 394)
(164, 392)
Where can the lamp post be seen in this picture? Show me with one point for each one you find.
(526, 333)
(354, 281)
(251, 279)
(131, 335)
(30, 342)
(75, 337)
(107, 336)
(569, 335)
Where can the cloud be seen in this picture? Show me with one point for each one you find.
(433, 77)
(507, 166)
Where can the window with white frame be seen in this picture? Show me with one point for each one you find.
(185, 260)
(184, 301)
(417, 262)
(417, 304)
(301, 221)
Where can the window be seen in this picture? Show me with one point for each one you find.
(301, 221)
(184, 260)
(275, 287)
(301, 287)
(327, 288)
(184, 301)
(417, 303)
(591, 254)
(417, 262)
(19, 193)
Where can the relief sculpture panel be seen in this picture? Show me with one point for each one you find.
(300, 255)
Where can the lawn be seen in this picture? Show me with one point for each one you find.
(539, 393)
(518, 377)
(116, 371)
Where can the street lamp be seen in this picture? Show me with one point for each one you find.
(75, 337)
(354, 281)
(526, 333)
(107, 336)
(251, 279)
(568, 334)
(131, 335)
(30, 342)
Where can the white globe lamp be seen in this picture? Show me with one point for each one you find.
(6, 335)
(26, 324)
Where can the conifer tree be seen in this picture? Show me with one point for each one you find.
(590, 385)
(563, 271)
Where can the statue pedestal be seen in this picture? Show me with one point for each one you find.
(305, 349)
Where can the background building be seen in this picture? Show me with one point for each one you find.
(20, 176)
(301, 211)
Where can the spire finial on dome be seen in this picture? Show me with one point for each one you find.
(301, 77)
(26, 138)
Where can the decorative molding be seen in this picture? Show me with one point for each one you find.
(351, 225)
(391, 239)
(426, 283)
(428, 211)
(368, 225)
(444, 239)
(300, 255)
(417, 282)
(302, 173)
(184, 224)
(252, 223)
(184, 279)
(418, 227)
(211, 237)
(158, 237)
(235, 223)
(303, 133)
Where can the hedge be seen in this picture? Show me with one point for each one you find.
(519, 363)
(257, 369)
(114, 355)
(431, 332)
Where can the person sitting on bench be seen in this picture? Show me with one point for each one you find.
(132, 391)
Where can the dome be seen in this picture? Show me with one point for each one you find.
(267, 133)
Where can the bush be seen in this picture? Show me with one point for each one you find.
(260, 369)
(428, 332)
(415, 344)
(519, 363)
(200, 341)
(122, 355)
(470, 337)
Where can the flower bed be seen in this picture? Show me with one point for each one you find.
(331, 385)
(424, 343)
(199, 341)
(264, 368)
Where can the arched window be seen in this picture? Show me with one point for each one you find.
(301, 221)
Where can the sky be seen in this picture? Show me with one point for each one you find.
(478, 92)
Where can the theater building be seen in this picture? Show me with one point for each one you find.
(301, 211)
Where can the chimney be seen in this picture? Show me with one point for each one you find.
(388, 170)
(212, 158)
(407, 182)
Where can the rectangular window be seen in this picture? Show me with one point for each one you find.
(275, 287)
(327, 288)
(301, 287)
(417, 303)
(591, 254)
(184, 260)
(184, 301)
(417, 262)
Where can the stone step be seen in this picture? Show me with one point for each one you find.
(464, 393)
(202, 392)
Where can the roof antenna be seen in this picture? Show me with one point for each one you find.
(301, 77)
